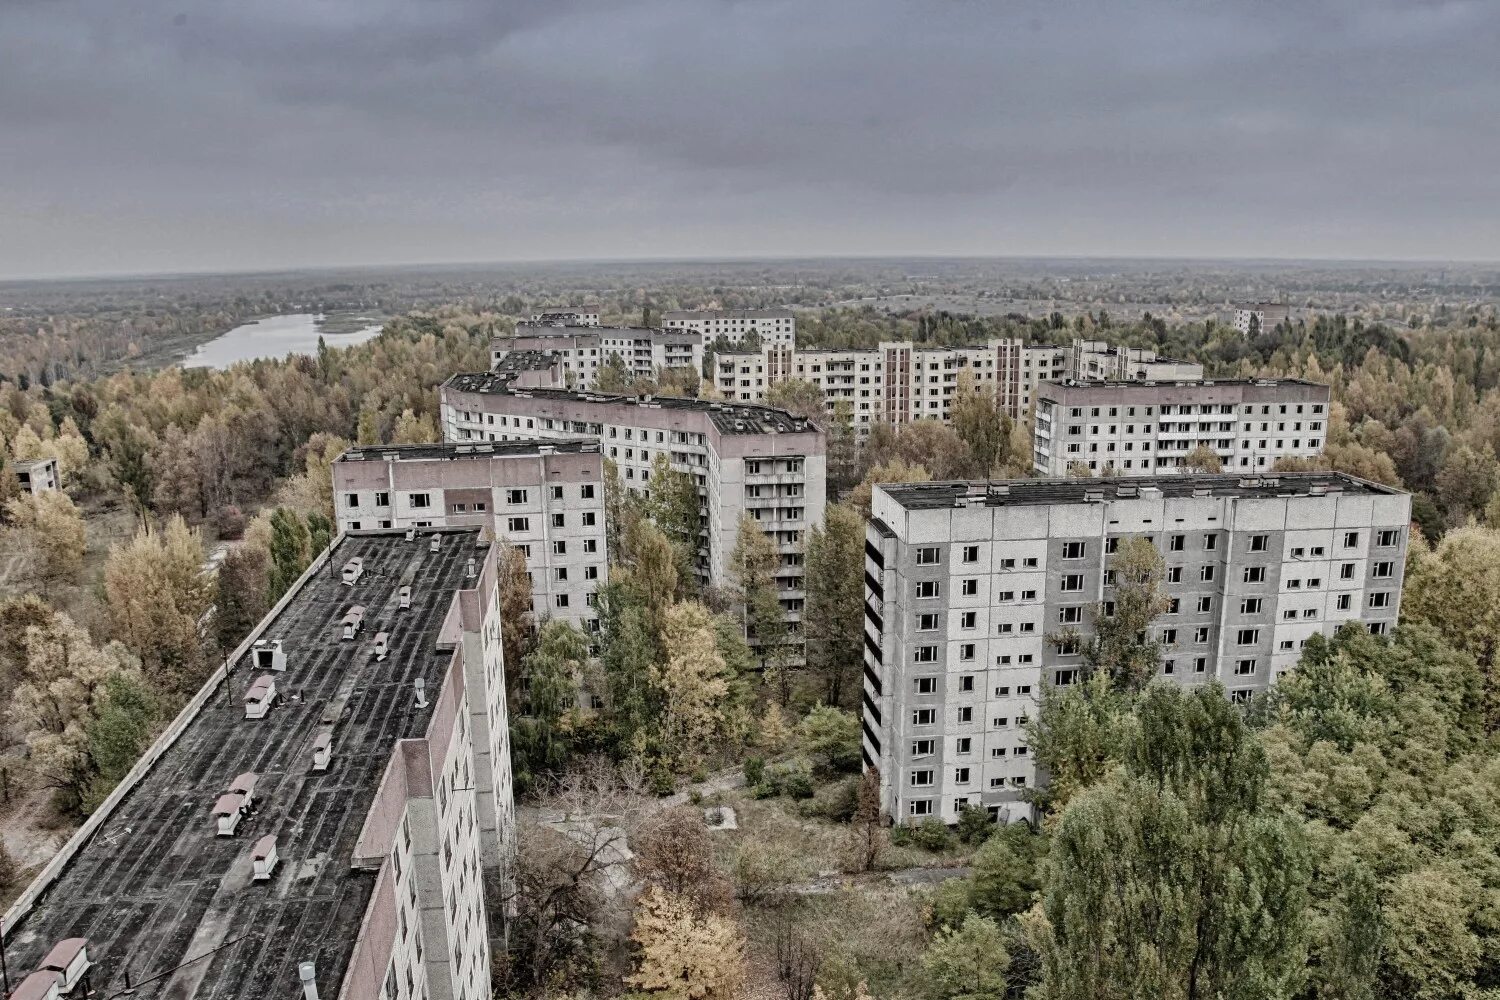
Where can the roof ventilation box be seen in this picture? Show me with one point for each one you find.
(263, 858)
(269, 655)
(421, 690)
(43, 984)
(70, 960)
(260, 697)
(322, 752)
(228, 811)
(411, 534)
(436, 543)
(382, 645)
(354, 621)
(353, 570)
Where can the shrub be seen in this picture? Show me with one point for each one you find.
(231, 523)
(755, 769)
(837, 802)
(797, 783)
(832, 738)
(975, 825)
(762, 870)
(932, 835)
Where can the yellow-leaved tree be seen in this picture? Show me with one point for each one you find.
(685, 955)
(158, 597)
(693, 682)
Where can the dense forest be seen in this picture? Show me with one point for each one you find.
(1336, 839)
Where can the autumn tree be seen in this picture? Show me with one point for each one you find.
(414, 428)
(682, 954)
(797, 396)
(517, 619)
(1202, 460)
(63, 690)
(896, 471)
(693, 683)
(834, 622)
(673, 852)
(50, 528)
(158, 598)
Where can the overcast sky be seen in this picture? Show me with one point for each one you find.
(143, 136)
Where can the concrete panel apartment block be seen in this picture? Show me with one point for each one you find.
(966, 581)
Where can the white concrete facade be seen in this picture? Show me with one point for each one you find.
(580, 351)
(746, 460)
(776, 327)
(1149, 428)
(546, 498)
(965, 582)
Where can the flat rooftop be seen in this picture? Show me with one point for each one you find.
(1183, 383)
(728, 314)
(468, 450)
(728, 417)
(1051, 492)
(155, 890)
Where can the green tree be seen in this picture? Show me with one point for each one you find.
(1168, 879)
(967, 963)
(118, 734)
(753, 565)
(1077, 737)
(1120, 642)
(612, 375)
(983, 427)
(290, 555)
(673, 507)
(834, 623)
(693, 685)
(832, 738)
(542, 732)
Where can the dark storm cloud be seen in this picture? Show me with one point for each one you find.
(209, 134)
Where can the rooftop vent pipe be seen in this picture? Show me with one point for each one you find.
(421, 686)
(307, 972)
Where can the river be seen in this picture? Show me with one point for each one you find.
(274, 337)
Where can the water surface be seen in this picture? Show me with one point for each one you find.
(274, 337)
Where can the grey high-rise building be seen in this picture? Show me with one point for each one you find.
(965, 582)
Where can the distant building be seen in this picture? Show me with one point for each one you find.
(965, 582)
(1149, 428)
(544, 497)
(752, 460)
(897, 382)
(566, 317)
(336, 801)
(773, 326)
(37, 475)
(578, 352)
(1262, 318)
(1097, 360)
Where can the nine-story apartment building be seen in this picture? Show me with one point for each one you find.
(965, 582)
